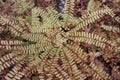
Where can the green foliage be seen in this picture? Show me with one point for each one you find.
(29, 19)
(35, 78)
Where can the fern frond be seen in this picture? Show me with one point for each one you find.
(40, 16)
(71, 60)
(58, 71)
(111, 28)
(11, 44)
(22, 6)
(117, 19)
(10, 59)
(93, 16)
(71, 67)
(100, 72)
(36, 37)
(69, 7)
(91, 39)
(81, 60)
(112, 14)
(15, 73)
(4, 19)
(12, 24)
(52, 67)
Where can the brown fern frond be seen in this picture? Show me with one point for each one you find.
(12, 24)
(10, 59)
(87, 37)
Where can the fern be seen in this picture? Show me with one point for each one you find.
(48, 43)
